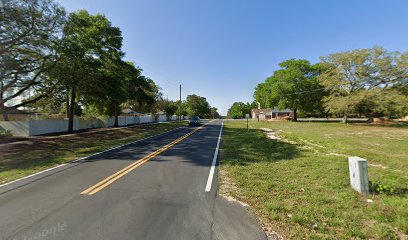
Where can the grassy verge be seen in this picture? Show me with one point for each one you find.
(299, 186)
(30, 155)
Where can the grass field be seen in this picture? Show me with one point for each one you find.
(20, 157)
(299, 185)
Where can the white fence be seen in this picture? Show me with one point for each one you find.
(33, 127)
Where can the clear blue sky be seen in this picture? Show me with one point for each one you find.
(221, 49)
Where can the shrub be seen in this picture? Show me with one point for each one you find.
(379, 188)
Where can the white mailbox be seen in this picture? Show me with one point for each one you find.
(359, 174)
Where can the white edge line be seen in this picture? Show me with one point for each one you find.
(214, 161)
(82, 158)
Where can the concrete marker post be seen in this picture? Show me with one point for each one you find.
(358, 174)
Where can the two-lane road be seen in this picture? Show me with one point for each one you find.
(159, 188)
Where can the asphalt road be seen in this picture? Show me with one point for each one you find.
(162, 197)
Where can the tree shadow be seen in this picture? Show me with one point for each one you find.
(403, 125)
(400, 192)
(48, 150)
(242, 147)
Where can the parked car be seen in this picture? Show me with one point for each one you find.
(194, 121)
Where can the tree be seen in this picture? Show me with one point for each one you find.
(184, 109)
(351, 76)
(50, 104)
(293, 86)
(239, 110)
(122, 82)
(197, 106)
(214, 113)
(169, 107)
(143, 94)
(262, 94)
(88, 41)
(116, 76)
(29, 33)
(389, 102)
(401, 84)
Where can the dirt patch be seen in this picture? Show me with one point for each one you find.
(227, 186)
(377, 165)
(271, 134)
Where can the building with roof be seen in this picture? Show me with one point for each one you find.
(270, 113)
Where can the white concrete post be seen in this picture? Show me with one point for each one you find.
(358, 174)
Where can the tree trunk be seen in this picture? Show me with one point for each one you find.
(295, 115)
(116, 115)
(3, 111)
(2, 106)
(67, 104)
(5, 116)
(345, 117)
(71, 111)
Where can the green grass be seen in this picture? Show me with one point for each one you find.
(299, 186)
(36, 154)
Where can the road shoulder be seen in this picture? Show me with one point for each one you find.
(234, 220)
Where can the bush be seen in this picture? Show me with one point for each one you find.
(379, 188)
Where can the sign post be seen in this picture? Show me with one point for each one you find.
(247, 118)
(259, 107)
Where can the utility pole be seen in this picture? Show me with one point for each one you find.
(180, 104)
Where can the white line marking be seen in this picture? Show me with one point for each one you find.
(83, 158)
(214, 161)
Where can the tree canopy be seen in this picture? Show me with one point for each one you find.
(360, 78)
(197, 106)
(239, 109)
(90, 46)
(72, 64)
(29, 37)
(55, 63)
(363, 82)
(294, 86)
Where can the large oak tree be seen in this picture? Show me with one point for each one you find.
(30, 31)
(355, 77)
(89, 42)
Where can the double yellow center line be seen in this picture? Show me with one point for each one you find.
(112, 178)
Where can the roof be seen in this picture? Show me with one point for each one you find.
(276, 110)
(270, 110)
(130, 111)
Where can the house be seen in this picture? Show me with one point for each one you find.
(130, 112)
(269, 113)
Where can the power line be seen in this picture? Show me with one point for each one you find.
(313, 90)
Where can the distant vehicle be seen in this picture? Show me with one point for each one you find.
(194, 121)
